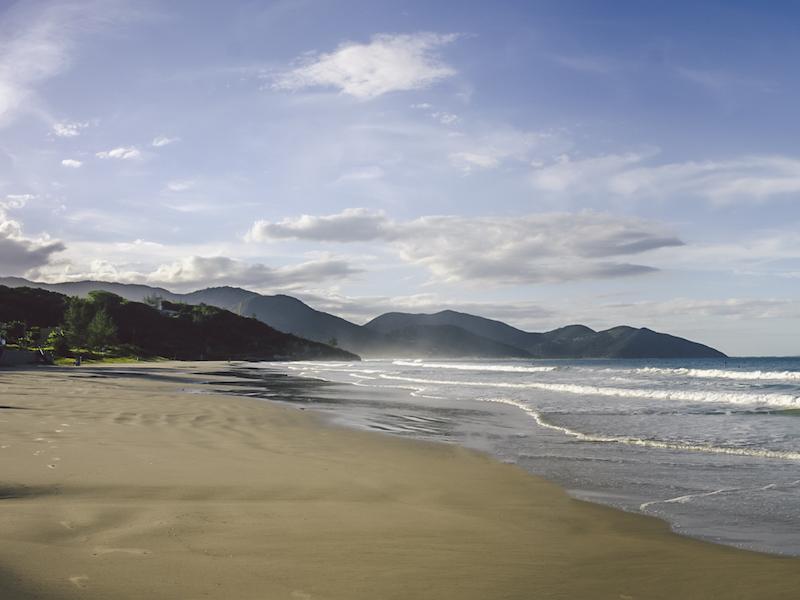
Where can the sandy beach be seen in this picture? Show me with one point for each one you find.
(117, 483)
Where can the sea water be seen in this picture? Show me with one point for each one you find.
(710, 445)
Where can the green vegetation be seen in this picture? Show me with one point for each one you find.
(105, 326)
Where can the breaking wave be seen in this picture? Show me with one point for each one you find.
(633, 441)
(473, 367)
(716, 397)
(724, 374)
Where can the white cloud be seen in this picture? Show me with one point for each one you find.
(33, 53)
(37, 43)
(69, 128)
(490, 149)
(351, 225)
(163, 140)
(745, 179)
(388, 63)
(567, 173)
(468, 160)
(72, 163)
(179, 186)
(192, 272)
(446, 118)
(549, 247)
(12, 201)
(197, 270)
(121, 153)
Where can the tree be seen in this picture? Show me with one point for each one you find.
(14, 332)
(153, 301)
(79, 314)
(59, 342)
(101, 331)
(104, 299)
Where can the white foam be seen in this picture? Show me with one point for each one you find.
(474, 367)
(689, 497)
(632, 441)
(724, 374)
(779, 400)
(333, 368)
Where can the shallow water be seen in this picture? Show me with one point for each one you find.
(712, 446)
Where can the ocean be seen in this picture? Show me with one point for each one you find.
(712, 446)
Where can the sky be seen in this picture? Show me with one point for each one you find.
(543, 163)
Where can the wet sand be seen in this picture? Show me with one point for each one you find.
(116, 483)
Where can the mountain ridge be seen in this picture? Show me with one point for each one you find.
(446, 333)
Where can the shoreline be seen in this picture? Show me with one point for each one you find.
(697, 488)
(162, 493)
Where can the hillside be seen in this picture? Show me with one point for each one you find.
(572, 341)
(281, 312)
(403, 334)
(486, 328)
(445, 341)
(178, 331)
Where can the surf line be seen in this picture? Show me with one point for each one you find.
(780, 400)
(631, 441)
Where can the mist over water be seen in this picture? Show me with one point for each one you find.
(710, 445)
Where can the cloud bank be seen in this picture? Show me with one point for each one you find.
(722, 182)
(549, 247)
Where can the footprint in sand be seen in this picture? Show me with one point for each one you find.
(80, 581)
(51, 466)
(66, 525)
(37, 452)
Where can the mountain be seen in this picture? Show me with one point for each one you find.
(446, 340)
(486, 328)
(401, 334)
(284, 313)
(129, 291)
(572, 341)
(290, 314)
(177, 330)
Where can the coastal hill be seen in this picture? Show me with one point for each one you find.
(104, 320)
(443, 334)
(572, 341)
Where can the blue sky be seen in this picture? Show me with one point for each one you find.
(538, 162)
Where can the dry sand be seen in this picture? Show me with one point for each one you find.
(116, 487)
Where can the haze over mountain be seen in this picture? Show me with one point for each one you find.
(444, 334)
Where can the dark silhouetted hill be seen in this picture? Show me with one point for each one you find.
(402, 334)
(177, 330)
